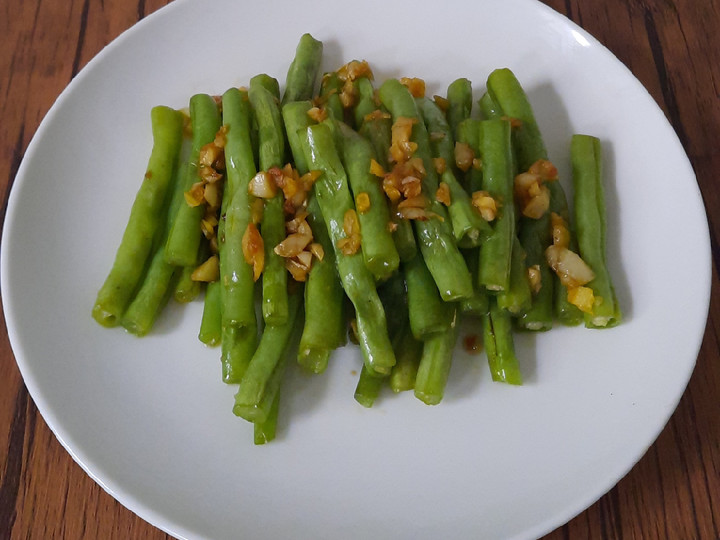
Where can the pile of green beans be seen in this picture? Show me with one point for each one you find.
(401, 295)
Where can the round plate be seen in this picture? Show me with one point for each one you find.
(150, 419)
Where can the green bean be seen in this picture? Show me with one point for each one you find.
(534, 234)
(510, 99)
(324, 329)
(145, 219)
(238, 347)
(508, 95)
(211, 323)
(489, 108)
(459, 96)
(408, 351)
(236, 275)
(498, 174)
(499, 346)
(477, 304)
(264, 432)
(468, 133)
(155, 289)
(186, 235)
(435, 362)
(330, 88)
(152, 296)
(375, 128)
(261, 381)
(441, 138)
(426, 309)
(393, 294)
(378, 249)
(586, 157)
(404, 238)
(271, 133)
(517, 297)
(366, 101)
(239, 323)
(267, 82)
(334, 198)
(469, 227)
(567, 313)
(295, 117)
(401, 104)
(186, 289)
(300, 82)
(368, 387)
(378, 130)
(434, 236)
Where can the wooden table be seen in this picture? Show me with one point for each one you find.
(672, 46)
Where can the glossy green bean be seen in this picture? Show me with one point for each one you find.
(186, 235)
(517, 298)
(265, 432)
(146, 217)
(590, 219)
(335, 199)
(436, 360)
(469, 228)
(378, 130)
(459, 96)
(300, 81)
(271, 134)
(330, 88)
(324, 329)
(211, 324)
(239, 344)
(489, 108)
(368, 387)
(498, 174)
(434, 236)
(408, 352)
(426, 309)
(157, 285)
(262, 379)
(499, 345)
(236, 275)
(378, 249)
(510, 99)
(366, 102)
(186, 289)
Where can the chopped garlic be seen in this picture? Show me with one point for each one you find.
(253, 249)
(443, 193)
(582, 297)
(486, 205)
(535, 278)
(362, 202)
(208, 271)
(415, 85)
(464, 156)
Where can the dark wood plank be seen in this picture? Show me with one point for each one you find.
(45, 44)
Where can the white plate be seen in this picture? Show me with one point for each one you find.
(151, 421)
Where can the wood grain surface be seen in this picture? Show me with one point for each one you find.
(672, 47)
